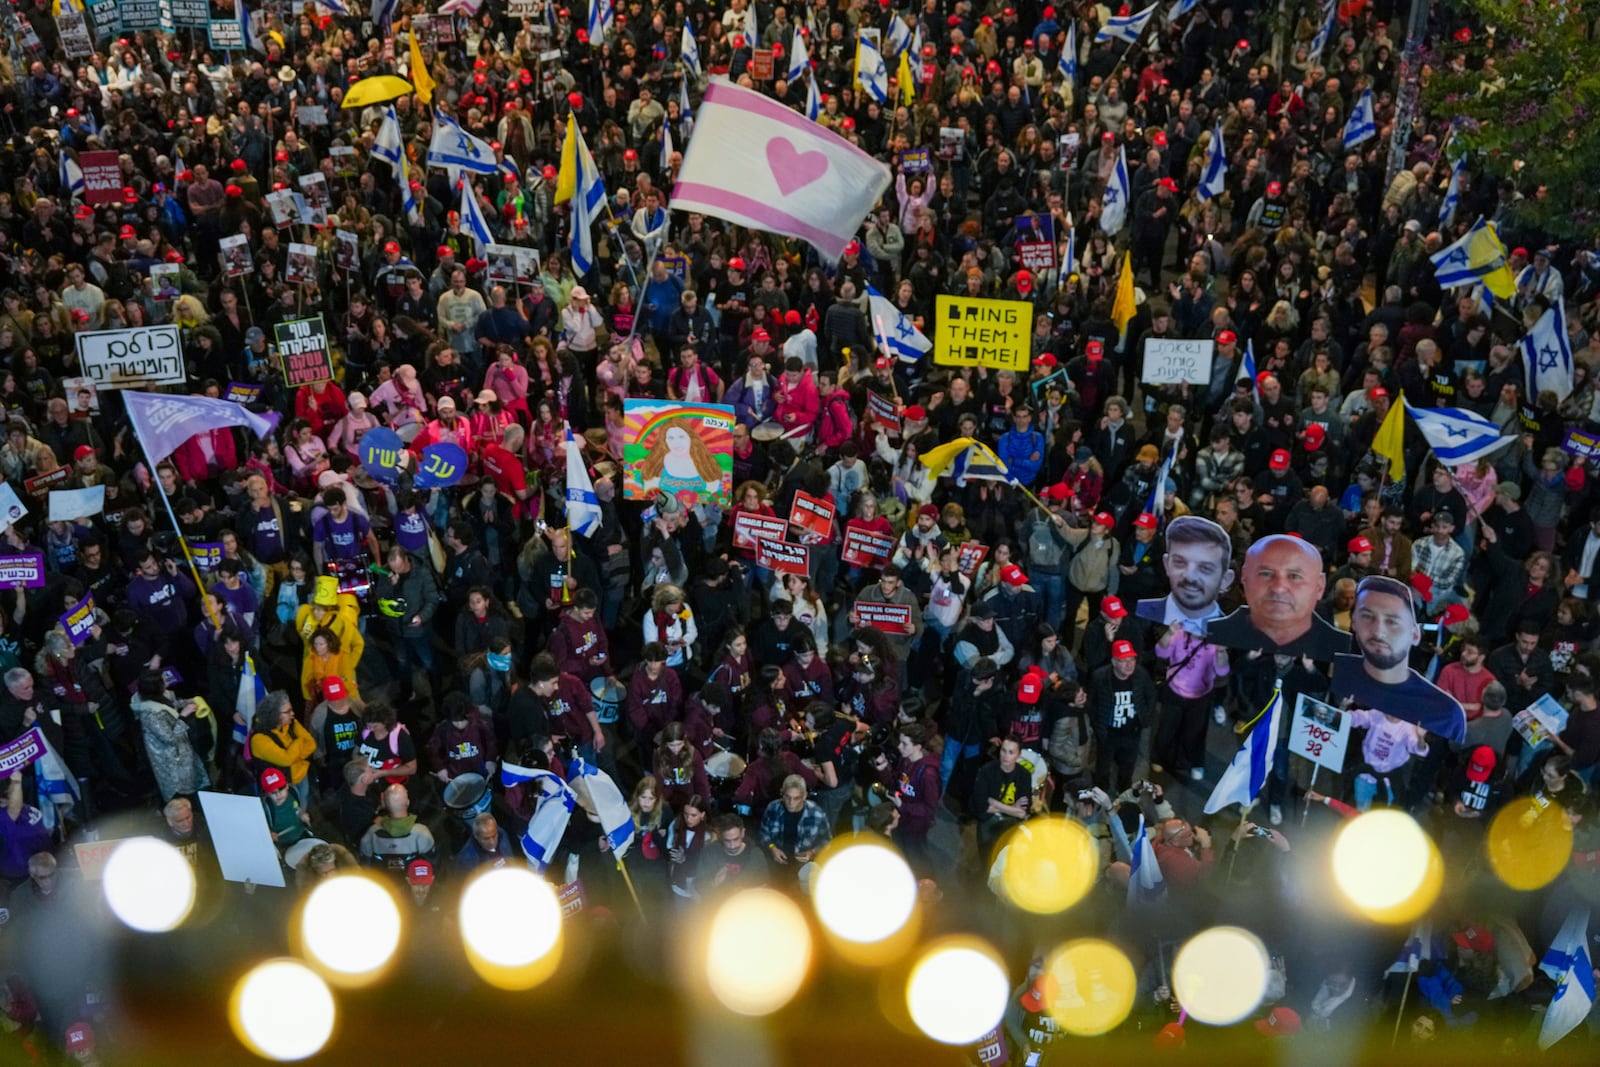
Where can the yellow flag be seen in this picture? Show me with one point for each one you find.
(1390, 443)
(1123, 308)
(937, 460)
(1486, 254)
(419, 71)
(908, 86)
(567, 179)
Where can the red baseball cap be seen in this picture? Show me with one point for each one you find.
(1279, 460)
(1046, 359)
(1105, 519)
(1012, 574)
(759, 335)
(391, 246)
(1145, 521)
(1113, 608)
(1123, 650)
(1094, 350)
(80, 1037)
(1378, 391)
(1168, 184)
(82, 450)
(1481, 765)
(915, 412)
(1030, 688)
(1159, 138)
(419, 872)
(333, 688)
(1422, 584)
(1024, 282)
(1359, 544)
(1059, 491)
(736, 263)
(1274, 188)
(1313, 436)
(1227, 337)
(1475, 937)
(1455, 614)
(444, 250)
(127, 233)
(273, 780)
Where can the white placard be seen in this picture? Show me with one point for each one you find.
(12, 509)
(1320, 733)
(1168, 361)
(139, 358)
(69, 504)
(241, 838)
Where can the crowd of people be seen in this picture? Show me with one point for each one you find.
(366, 654)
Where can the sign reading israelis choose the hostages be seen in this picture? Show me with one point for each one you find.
(973, 332)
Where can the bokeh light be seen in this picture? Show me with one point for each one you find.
(511, 927)
(1093, 985)
(957, 991)
(148, 884)
(282, 1010)
(1529, 844)
(1386, 866)
(864, 892)
(758, 951)
(1049, 865)
(350, 926)
(1220, 975)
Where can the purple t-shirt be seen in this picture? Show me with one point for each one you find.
(411, 531)
(20, 839)
(341, 540)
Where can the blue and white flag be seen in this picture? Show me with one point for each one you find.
(1145, 882)
(1069, 261)
(58, 786)
(689, 52)
(898, 38)
(1452, 194)
(1067, 62)
(1158, 490)
(900, 333)
(583, 507)
(408, 195)
(752, 30)
(799, 56)
(588, 205)
(1417, 950)
(1245, 777)
(1547, 351)
(602, 16)
(1569, 963)
(1114, 202)
(1362, 124)
(1320, 41)
(686, 122)
(605, 800)
(250, 27)
(1452, 265)
(667, 147)
(1180, 9)
(72, 176)
(382, 13)
(552, 811)
(916, 55)
(338, 8)
(1128, 28)
(1214, 173)
(871, 72)
(1458, 436)
(453, 146)
(387, 145)
(472, 219)
(1247, 367)
(813, 100)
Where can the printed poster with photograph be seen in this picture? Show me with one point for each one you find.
(502, 262)
(319, 199)
(302, 268)
(83, 397)
(280, 202)
(346, 250)
(164, 281)
(685, 450)
(236, 259)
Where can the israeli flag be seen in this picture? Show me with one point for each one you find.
(453, 146)
(472, 219)
(1320, 41)
(1458, 436)
(1452, 265)
(1242, 782)
(686, 123)
(1128, 28)
(1547, 351)
(71, 176)
(752, 31)
(1570, 964)
(588, 205)
(916, 54)
(1067, 63)
(602, 16)
(250, 29)
(1145, 882)
(58, 786)
(898, 38)
(583, 507)
(1214, 174)
(1180, 9)
(689, 52)
(1247, 366)
(552, 811)
(1417, 950)
(1362, 124)
(387, 145)
(1069, 262)
(1158, 490)
(870, 70)
(408, 197)
(666, 142)
(1114, 202)
(1452, 194)
(799, 57)
(607, 803)
(813, 100)
(900, 333)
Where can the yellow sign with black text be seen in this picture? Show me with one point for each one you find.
(972, 332)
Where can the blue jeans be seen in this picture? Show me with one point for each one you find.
(1053, 587)
(953, 753)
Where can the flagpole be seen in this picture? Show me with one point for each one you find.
(1405, 991)
(194, 572)
(634, 893)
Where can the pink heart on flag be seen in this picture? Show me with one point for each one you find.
(792, 168)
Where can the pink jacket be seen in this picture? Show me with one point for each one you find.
(509, 385)
(190, 458)
(798, 406)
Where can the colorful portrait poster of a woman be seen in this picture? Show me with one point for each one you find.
(684, 450)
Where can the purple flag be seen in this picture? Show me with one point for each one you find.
(164, 422)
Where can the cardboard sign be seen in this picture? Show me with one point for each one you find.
(973, 332)
(969, 557)
(916, 161)
(883, 412)
(303, 344)
(207, 555)
(69, 504)
(102, 177)
(243, 393)
(1320, 733)
(73, 26)
(80, 620)
(570, 897)
(783, 557)
(1581, 443)
(863, 548)
(890, 618)
(192, 13)
(748, 528)
(92, 856)
(1168, 361)
(21, 752)
(25, 570)
(40, 484)
(381, 449)
(761, 64)
(812, 514)
(140, 358)
(1036, 242)
(226, 35)
(241, 839)
(236, 259)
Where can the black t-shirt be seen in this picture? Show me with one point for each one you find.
(1416, 700)
(994, 783)
(393, 751)
(339, 736)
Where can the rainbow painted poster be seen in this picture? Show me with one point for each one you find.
(682, 449)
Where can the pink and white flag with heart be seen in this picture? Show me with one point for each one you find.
(754, 162)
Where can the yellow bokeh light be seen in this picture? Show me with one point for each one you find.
(864, 892)
(1220, 975)
(282, 1010)
(1530, 845)
(758, 951)
(1049, 865)
(1091, 985)
(957, 991)
(1386, 866)
(511, 927)
(148, 885)
(350, 926)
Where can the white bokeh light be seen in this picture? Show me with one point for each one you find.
(1220, 975)
(148, 884)
(337, 939)
(1380, 860)
(957, 992)
(283, 1010)
(864, 893)
(758, 950)
(510, 917)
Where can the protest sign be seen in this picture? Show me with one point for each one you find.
(303, 344)
(1540, 721)
(883, 411)
(381, 452)
(243, 392)
(863, 548)
(102, 177)
(441, 465)
(79, 620)
(40, 484)
(1036, 242)
(241, 838)
(195, 14)
(25, 570)
(761, 64)
(302, 264)
(916, 161)
(92, 856)
(748, 528)
(82, 396)
(1581, 443)
(1320, 733)
(1168, 361)
(973, 332)
(21, 752)
(970, 556)
(73, 27)
(69, 504)
(207, 555)
(890, 618)
(226, 35)
(236, 259)
(139, 358)
(813, 514)
(346, 250)
(783, 557)
(681, 450)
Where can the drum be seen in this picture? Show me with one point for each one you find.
(468, 796)
(724, 769)
(608, 694)
(770, 430)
